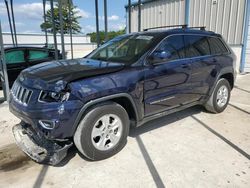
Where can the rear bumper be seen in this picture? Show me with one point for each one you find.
(39, 148)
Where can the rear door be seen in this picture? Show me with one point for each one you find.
(36, 56)
(16, 62)
(167, 83)
(202, 63)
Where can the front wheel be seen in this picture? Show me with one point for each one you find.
(103, 131)
(219, 99)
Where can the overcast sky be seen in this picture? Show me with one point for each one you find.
(28, 15)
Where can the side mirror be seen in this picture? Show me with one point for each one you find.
(159, 56)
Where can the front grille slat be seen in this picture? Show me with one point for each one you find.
(17, 91)
(21, 94)
(25, 96)
(28, 96)
(14, 88)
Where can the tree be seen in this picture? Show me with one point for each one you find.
(111, 34)
(76, 28)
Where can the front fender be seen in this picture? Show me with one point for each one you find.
(100, 100)
(127, 84)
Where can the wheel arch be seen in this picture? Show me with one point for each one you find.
(124, 99)
(226, 73)
(229, 77)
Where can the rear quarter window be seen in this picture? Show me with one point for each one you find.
(216, 45)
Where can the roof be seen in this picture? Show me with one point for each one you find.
(30, 47)
(179, 31)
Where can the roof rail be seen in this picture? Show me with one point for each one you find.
(182, 26)
(185, 26)
(199, 27)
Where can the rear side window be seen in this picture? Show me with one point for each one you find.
(174, 46)
(216, 46)
(196, 46)
(38, 55)
(14, 57)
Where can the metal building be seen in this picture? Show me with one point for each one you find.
(227, 17)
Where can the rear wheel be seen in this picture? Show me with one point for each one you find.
(103, 131)
(219, 99)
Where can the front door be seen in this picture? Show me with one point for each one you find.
(167, 81)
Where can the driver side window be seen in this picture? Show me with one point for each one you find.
(171, 48)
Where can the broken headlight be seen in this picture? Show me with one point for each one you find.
(47, 96)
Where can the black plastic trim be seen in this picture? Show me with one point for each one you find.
(103, 99)
(227, 70)
(167, 112)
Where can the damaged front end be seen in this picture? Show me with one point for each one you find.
(39, 148)
(48, 103)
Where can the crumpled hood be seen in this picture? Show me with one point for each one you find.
(55, 75)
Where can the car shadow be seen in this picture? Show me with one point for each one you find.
(153, 125)
(72, 152)
(137, 131)
(165, 120)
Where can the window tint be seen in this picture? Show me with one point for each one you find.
(173, 46)
(216, 46)
(37, 55)
(13, 57)
(196, 46)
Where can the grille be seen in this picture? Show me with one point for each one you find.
(20, 94)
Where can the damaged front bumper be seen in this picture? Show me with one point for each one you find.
(38, 147)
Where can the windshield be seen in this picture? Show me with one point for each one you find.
(125, 49)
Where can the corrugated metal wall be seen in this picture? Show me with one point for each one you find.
(222, 16)
(158, 13)
(247, 56)
(134, 19)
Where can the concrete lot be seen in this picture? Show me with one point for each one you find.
(191, 148)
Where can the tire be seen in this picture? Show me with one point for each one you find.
(214, 104)
(90, 137)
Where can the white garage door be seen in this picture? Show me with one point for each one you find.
(247, 57)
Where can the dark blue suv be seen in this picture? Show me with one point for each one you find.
(92, 102)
